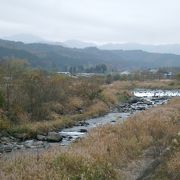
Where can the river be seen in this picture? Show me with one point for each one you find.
(143, 99)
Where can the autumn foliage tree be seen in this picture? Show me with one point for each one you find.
(34, 94)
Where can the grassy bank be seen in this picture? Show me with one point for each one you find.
(108, 96)
(105, 153)
(31, 129)
(158, 84)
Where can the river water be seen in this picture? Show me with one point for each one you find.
(143, 99)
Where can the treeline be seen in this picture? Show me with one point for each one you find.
(100, 68)
(144, 75)
(28, 94)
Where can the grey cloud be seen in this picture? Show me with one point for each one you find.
(143, 21)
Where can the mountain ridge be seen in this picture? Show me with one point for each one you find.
(56, 56)
(159, 48)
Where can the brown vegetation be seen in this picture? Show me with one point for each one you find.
(106, 151)
(33, 100)
(158, 84)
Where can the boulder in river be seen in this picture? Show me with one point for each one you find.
(133, 100)
(6, 148)
(113, 121)
(29, 143)
(83, 130)
(39, 144)
(41, 137)
(21, 136)
(140, 108)
(1, 149)
(147, 102)
(5, 139)
(19, 146)
(82, 123)
(54, 137)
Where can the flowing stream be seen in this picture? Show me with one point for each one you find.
(143, 99)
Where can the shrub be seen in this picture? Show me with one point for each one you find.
(4, 124)
(96, 109)
(178, 76)
(73, 166)
(173, 166)
(105, 152)
(57, 107)
(123, 97)
(74, 104)
(2, 100)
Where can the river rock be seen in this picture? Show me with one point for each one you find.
(19, 146)
(86, 124)
(39, 144)
(113, 121)
(133, 100)
(175, 142)
(41, 138)
(5, 139)
(21, 136)
(29, 143)
(83, 130)
(140, 108)
(147, 102)
(32, 144)
(54, 137)
(1, 149)
(8, 148)
(82, 123)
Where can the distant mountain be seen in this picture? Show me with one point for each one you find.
(26, 38)
(166, 48)
(77, 44)
(58, 57)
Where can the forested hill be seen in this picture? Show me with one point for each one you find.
(55, 56)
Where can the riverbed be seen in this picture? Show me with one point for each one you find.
(143, 99)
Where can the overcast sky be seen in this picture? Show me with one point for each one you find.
(141, 21)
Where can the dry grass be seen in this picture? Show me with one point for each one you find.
(158, 84)
(97, 109)
(170, 169)
(31, 129)
(105, 151)
(110, 95)
(74, 103)
(55, 164)
(112, 92)
(4, 124)
(173, 166)
(123, 142)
